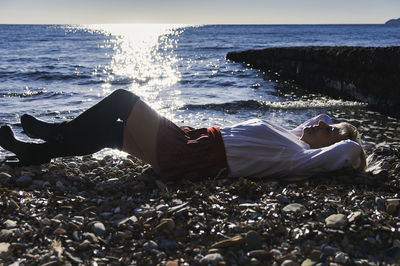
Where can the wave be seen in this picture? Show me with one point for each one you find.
(42, 75)
(44, 94)
(263, 105)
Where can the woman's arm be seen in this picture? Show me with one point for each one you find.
(342, 154)
(310, 122)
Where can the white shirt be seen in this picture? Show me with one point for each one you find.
(258, 148)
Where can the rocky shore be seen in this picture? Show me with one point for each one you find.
(115, 211)
(366, 74)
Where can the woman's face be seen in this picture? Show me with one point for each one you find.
(321, 135)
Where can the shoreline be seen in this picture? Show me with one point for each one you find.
(366, 74)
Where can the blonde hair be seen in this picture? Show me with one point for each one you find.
(348, 131)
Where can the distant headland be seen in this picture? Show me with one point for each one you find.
(393, 22)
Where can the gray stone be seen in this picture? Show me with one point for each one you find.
(149, 245)
(354, 216)
(294, 207)
(8, 224)
(308, 262)
(5, 234)
(99, 228)
(329, 250)
(253, 239)
(341, 257)
(282, 199)
(161, 207)
(276, 253)
(289, 263)
(24, 180)
(4, 249)
(336, 220)
(259, 254)
(213, 259)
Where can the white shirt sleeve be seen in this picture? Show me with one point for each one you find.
(343, 154)
(298, 131)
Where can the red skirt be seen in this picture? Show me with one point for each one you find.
(187, 153)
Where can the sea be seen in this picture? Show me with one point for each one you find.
(55, 72)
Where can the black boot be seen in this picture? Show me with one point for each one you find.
(101, 126)
(38, 129)
(27, 153)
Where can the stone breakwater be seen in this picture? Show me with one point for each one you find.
(114, 211)
(367, 74)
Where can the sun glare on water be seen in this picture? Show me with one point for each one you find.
(143, 59)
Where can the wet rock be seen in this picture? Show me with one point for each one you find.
(294, 207)
(24, 181)
(253, 239)
(99, 228)
(336, 220)
(212, 259)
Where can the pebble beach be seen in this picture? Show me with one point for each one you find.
(116, 211)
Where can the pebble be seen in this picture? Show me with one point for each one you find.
(336, 220)
(4, 249)
(282, 199)
(341, 257)
(308, 262)
(260, 254)
(233, 241)
(99, 228)
(165, 224)
(5, 234)
(181, 223)
(329, 250)
(253, 239)
(354, 216)
(289, 263)
(294, 207)
(149, 245)
(392, 205)
(9, 224)
(212, 259)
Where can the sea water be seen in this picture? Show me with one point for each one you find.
(55, 72)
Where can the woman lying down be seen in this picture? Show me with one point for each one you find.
(254, 148)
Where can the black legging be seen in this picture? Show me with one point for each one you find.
(101, 126)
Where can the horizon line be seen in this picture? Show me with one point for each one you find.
(195, 24)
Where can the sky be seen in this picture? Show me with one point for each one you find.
(198, 11)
